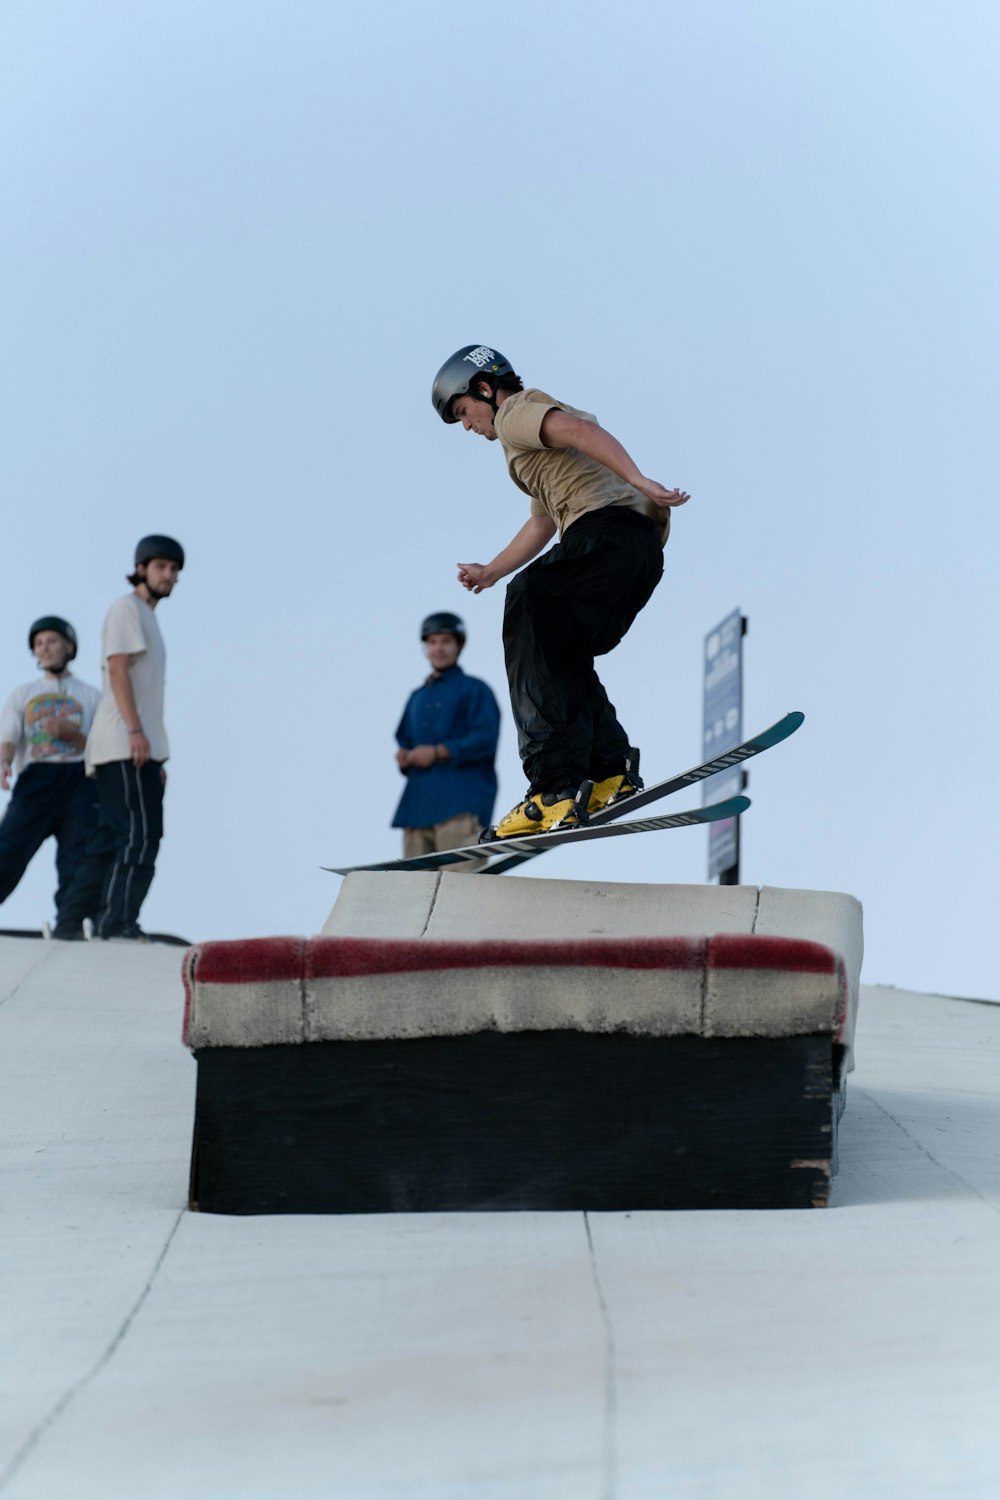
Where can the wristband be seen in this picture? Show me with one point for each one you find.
(135, 731)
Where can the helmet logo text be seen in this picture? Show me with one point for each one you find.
(481, 357)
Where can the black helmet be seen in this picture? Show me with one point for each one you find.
(159, 546)
(60, 626)
(457, 374)
(443, 621)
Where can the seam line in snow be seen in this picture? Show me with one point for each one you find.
(34, 1437)
(25, 977)
(609, 1444)
(923, 1149)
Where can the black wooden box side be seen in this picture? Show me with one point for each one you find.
(532, 1120)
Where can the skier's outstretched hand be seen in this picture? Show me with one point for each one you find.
(659, 494)
(474, 576)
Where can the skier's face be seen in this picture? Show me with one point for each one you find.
(51, 651)
(475, 416)
(160, 577)
(442, 650)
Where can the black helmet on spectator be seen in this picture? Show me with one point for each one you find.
(159, 546)
(60, 626)
(457, 374)
(444, 622)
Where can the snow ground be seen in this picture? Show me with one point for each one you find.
(152, 1354)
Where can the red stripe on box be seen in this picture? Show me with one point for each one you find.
(250, 959)
(347, 958)
(786, 955)
(256, 960)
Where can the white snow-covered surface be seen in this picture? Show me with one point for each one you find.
(152, 1354)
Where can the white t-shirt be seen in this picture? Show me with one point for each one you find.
(130, 629)
(24, 716)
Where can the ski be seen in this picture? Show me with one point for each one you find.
(535, 843)
(764, 741)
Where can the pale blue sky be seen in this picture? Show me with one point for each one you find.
(758, 240)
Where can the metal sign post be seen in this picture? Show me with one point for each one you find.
(723, 729)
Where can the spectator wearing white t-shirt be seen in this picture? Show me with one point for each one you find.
(126, 750)
(43, 730)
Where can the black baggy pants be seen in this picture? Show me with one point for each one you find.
(571, 604)
(47, 801)
(117, 868)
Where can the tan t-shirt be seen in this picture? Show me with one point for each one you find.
(130, 629)
(564, 484)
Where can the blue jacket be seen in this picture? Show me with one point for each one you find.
(461, 713)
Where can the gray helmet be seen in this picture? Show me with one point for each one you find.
(443, 621)
(457, 374)
(60, 626)
(159, 546)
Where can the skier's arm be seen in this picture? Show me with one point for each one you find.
(11, 729)
(7, 748)
(61, 727)
(121, 687)
(562, 430)
(535, 534)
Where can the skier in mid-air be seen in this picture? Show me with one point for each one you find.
(575, 602)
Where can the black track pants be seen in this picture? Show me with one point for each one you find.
(571, 604)
(48, 800)
(118, 867)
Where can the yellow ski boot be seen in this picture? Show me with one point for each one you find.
(616, 788)
(544, 812)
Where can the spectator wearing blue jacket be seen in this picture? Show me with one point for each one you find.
(447, 747)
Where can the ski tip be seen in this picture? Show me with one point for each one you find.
(785, 726)
(731, 807)
(717, 812)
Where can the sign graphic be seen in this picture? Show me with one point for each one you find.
(723, 729)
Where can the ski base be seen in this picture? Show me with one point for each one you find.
(533, 843)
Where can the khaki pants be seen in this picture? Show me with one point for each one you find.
(454, 834)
